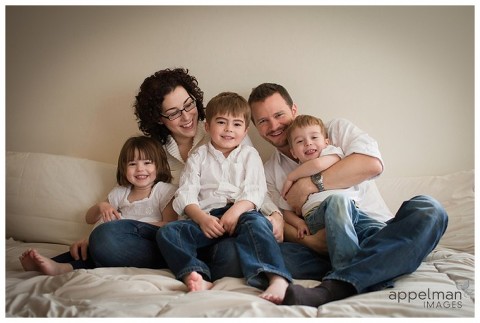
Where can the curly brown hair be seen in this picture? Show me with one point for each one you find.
(152, 92)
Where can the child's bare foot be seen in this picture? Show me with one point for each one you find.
(195, 282)
(27, 262)
(275, 292)
(33, 261)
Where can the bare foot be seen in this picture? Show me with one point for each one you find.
(275, 292)
(195, 282)
(33, 261)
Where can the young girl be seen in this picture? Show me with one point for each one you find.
(144, 193)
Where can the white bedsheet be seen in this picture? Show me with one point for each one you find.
(135, 292)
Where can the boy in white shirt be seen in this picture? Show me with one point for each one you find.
(220, 191)
(335, 210)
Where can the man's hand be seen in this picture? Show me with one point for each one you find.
(299, 192)
(277, 222)
(80, 245)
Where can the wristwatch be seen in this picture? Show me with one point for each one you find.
(317, 179)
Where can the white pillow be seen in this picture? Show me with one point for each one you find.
(456, 192)
(47, 196)
(373, 203)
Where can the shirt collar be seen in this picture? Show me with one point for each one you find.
(219, 155)
(172, 147)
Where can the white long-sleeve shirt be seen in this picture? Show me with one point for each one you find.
(212, 180)
(175, 160)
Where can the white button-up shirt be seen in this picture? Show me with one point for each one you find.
(212, 180)
(175, 160)
(342, 133)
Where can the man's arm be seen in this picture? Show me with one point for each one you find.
(351, 170)
(309, 168)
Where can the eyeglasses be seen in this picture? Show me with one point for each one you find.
(176, 113)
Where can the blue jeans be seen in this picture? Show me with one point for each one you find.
(387, 251)
(258, 252)
(130, 243)
(76, 264)
(343, 223)
(125, 243)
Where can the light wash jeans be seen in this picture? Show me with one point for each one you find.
(257, 250)
(341, 218)
(387, 251)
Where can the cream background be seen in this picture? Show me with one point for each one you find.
(403, 74)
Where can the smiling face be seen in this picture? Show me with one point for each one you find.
(272, 117)
(140, 172)
(185, 126)
(307, 142)
(226, 132)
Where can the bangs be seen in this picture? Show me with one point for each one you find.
(139, 151)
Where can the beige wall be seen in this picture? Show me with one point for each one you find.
(403, 74)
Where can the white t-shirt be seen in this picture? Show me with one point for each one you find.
(212, 180)
(343, 134)
(146, 210)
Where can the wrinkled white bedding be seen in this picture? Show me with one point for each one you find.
(443, 286)
(136, 292)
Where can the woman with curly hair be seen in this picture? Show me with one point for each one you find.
(169, 108)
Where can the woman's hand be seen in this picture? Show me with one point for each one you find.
(277, 223)
(80, 245)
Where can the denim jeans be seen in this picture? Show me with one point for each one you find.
(393, 249)
(131, 243)
(76, 264)
(343, 223)
(257, 250)
(125, 243)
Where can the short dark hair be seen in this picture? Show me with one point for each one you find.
(265, 90)
(228, 103)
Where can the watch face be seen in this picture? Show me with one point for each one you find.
(318, 181)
